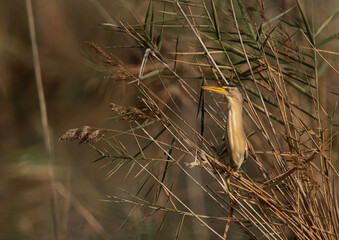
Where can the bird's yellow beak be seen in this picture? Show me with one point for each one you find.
(216, 89)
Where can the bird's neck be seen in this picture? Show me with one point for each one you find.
(234, 108)
(234, 115)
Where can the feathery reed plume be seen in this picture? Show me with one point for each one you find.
(85, 134)
(132, 114)
(116, 68)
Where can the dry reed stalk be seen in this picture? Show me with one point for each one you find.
(44, 120)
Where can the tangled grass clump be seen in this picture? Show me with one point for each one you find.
(287, 187)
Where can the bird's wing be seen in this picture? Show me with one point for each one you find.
(221, 149)
(246, 150)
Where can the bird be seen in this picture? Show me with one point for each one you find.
(232, 150)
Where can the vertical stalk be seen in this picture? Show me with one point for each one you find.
(43, 115)
(317, 89)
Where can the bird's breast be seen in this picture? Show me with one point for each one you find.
(235, 133)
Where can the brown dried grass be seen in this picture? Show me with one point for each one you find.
(292, 193)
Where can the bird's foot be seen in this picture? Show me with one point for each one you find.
(229, 171)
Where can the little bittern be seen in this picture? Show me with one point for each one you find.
(232, 150)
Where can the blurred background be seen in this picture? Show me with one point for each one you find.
(76, 95)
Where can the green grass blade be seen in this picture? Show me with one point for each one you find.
(159, 38)
(323, 42)
(150, 143)
(245, 19)
(268, 36)
(215, 20)
(170, 150)
(255, 93)
(152, 24)
(307, 25)
(260, 109)
(147, 16)
(295, 25)
(153, 73)
(101, 153)
(186, 3)
(278, 16)
(327, 21)
(201, 108)
(300, 89)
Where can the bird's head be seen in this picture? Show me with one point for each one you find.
(231, 92)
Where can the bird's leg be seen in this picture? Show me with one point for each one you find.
(228, 177)
(230, 170)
